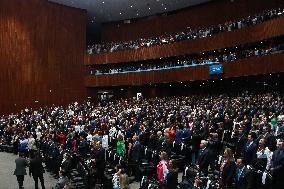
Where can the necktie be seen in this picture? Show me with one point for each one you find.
(240, 173)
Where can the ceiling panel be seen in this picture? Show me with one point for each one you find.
(113, 10)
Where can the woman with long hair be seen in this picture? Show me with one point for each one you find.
(123, 180)
(227, 169)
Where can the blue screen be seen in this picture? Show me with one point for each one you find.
(216, 69)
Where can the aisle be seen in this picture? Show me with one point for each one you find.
(9, 181)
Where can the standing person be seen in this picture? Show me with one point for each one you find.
(195, 141)
(277, 165)
(203, 158)
(135, 156)
(15, 141)
(172, 176)
(23, 145)
(162, 169)
(241, 176)
(20, 171)
(100, 161)
(240, 143)
(120, 146)
(66, 163)
(61, 138)
(264, 156)
(83, 147)
(250, 150)
(36, 170)
(227, 169)
(31, 145)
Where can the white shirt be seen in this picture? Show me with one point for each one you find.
(31, 144)
(90, 138)
(105, 142)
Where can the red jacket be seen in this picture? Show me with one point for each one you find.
(61, 138)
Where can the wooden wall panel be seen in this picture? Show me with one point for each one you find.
(268, 29)
(213, 13)
(42, 48)
(252, 66)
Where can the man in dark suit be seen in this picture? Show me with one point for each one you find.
(203, 157)
(66, 163)
(36, 170)
(83, 147)
(240, 143)
(99, 157)
(241, 175)
(270, 138)
(135, 156)
(20, 171)
(277, 167)
(250, 150)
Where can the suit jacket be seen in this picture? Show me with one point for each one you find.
(278, 168)
(203, 160)
(36, 168)
(100, 158)
(250, 153)
(66, 165)
(83, 147)
(228, 173)
(278, 161)
(240, 145)
(241, 180)
(172, 179)
(136, 152)
(270, 141)
(21, 164)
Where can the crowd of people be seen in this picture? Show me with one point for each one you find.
(236, 137)
(188, 34)
(262, 48)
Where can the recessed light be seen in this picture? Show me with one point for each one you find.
(103, 2)
(165, 8)
(149, 8)
(120, 13)
(131, 6)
